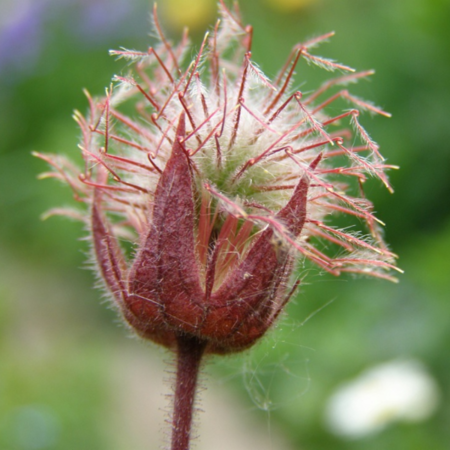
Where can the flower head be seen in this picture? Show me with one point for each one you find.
(222, 179)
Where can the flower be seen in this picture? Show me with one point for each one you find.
(390, 392)
(221, 178)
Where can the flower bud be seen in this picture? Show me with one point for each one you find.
(221, 179)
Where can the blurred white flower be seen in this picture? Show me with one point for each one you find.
(394, 391)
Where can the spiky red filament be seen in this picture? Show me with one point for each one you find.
(222, 240)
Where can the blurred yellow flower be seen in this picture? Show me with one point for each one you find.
(289, 5)
(191, 13)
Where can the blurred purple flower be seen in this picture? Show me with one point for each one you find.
(26, 28)
(99, 19)
(21, 36)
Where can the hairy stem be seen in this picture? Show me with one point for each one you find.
(189, 356)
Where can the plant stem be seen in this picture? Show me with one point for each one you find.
(189, 356)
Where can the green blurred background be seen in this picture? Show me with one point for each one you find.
(70, 378)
